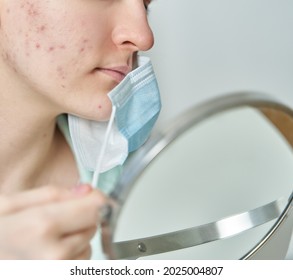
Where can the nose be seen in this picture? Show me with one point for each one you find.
(132, 30)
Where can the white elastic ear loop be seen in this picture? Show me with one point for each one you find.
(103, 149)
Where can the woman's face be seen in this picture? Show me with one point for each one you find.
(72, 52)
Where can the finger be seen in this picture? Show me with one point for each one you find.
(76, 215)
(16, 202)
(85, 255)
(77, 244)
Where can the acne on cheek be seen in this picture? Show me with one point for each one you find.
(43, 39)
(84, 45)
(39, 31)
(61, 73)
(31, 9)
(41, 42)
(34, 28)
(30, 23)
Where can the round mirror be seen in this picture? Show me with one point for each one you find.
(215, 184)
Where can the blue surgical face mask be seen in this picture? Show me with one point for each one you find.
(100, 146)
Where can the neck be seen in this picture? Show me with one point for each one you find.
(29, 140)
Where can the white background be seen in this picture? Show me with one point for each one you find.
(211, 47)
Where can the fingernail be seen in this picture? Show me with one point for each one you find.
(82, 189)
(105, 212)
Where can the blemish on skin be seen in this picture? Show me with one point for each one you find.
(85, 45)
(62, 47)
(61, 73)
(41, 29)
(81, 50)
(32, 11)
(38, 46)
(100, 107)
(51, 49)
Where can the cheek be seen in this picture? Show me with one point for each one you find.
(21, 23)
(50, 31)
(56, 53)
(34, 36)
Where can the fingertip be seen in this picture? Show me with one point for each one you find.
(82, 189)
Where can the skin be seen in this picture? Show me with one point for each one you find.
(57, 56)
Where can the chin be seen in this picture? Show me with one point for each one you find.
(96, 107)
(101, 114)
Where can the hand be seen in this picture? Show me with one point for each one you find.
(49, 223)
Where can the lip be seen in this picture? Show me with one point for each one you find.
(117, 73)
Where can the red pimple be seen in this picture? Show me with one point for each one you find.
(100, 107)
(41, 28)
(38, 46)
(51, 49)
(32, 10)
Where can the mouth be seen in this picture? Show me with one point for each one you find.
(116, 73)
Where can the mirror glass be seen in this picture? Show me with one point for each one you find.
(233, 162)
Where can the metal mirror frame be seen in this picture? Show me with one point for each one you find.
(140, 160)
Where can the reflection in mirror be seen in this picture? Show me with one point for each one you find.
(226, 179)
